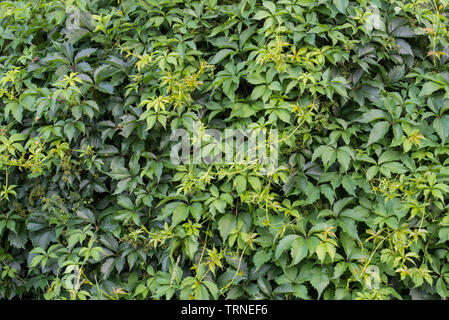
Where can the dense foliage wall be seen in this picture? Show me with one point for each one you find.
(91, 205)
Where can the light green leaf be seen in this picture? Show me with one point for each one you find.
(270, 6)
(320, 280)
(240, 184)
(320, 251)
(341, 5)
(429, 88)
(299, 250)
(255, 183)
(180, 214)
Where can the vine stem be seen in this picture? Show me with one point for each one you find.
(204, 247)
(372, 254)
(96, 287)
(434, 2)
(237, 272)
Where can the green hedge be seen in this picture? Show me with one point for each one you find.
(93, 206)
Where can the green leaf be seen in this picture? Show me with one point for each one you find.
(389, 155)
(395, 167)
(180, 214)
(86, 214)
(170, 198)
(196, 210)
(349, 184)
(371, 172)
(226, 224)
(261, 15)
(328, 192)
(299, 250)
(443, 234)
(36, 260)
(349, 227)
(283, 289)
(429, 88)
(339, 269)
(378, 131)
(284, 244)
(373, 114)
(220, 205)
(223, 53)
(255, 183)
(258, 92)
(69, 131)
(17, 112)
(404, 32)
(397, 73)
(191, 245)
(270, 6)
(320, 280)
(320, 251)
(284, 115)
(441, 126)
(341, 5)
(85, 53)
(329, 156)
(255, 78)
(125, 202)
(151, 121)
(312, 192)
(344, 158)
(242, 110)
(261, 257)
(105, 87)
(441, 288)
(300, 291)
(107, 267)
(240, 184)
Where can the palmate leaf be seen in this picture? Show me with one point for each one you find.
(88, 178)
